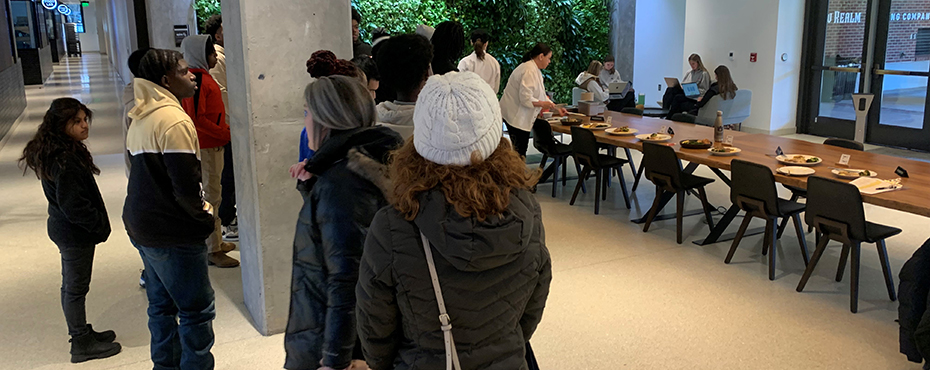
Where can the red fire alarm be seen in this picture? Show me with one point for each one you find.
(753, 57)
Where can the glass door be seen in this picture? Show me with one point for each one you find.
(836, 52)
(900, 76)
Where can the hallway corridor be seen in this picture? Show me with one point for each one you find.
(35, 336)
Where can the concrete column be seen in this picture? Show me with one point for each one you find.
(163, 15)
(623, 35)
(267, 45)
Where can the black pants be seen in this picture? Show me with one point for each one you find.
(670, 94)
(681, 104)
(519, 138)
(616, 105)
(228, 182)
(77, 262)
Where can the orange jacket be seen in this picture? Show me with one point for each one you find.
(209, 112)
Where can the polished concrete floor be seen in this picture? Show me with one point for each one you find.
(620, 298)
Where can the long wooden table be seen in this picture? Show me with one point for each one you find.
(759, 148)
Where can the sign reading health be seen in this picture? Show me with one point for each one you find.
(50, 4)
(64, 10)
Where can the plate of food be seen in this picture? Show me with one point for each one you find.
(654, 137)
(696, 144)
(625, 130)
(853, 173)
(799, 159)
(595, 126)
(796, 171)
(724, 151)
(570, 121)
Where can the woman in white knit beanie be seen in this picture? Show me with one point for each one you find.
(460, 187)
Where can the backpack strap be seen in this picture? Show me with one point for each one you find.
(452, 357)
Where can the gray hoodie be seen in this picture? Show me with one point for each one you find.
(397, 116)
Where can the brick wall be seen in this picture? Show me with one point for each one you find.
(12, 97)
(846, 27)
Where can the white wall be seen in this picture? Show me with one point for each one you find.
(163, 15)
(786, 79)
(122, 34)
(90, 41)
(713, 28)
(658, 51)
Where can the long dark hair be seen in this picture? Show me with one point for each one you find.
(448, 45)
(540, 49)
(480, 38)
(52, 141)
(725, 83)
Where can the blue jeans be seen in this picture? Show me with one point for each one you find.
(181, 306)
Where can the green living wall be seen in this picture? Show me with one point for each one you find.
(577, 30)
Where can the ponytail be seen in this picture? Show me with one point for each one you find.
(539, 49)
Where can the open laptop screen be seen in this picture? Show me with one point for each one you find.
(691, 89)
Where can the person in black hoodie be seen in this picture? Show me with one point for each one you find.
(77, 217)
(461, 205)
(448, 44)
(346, 190)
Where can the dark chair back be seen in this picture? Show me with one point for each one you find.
(584, 147)
(543, 140)
(635, 111)
(754, 181)
(843, 143)
(683, 117)
(836, 201)
(661, 160)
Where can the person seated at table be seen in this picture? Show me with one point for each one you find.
(723, 87)
(590, 82)
(698, 74)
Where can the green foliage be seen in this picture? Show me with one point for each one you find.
(205, 9)
(576, 30)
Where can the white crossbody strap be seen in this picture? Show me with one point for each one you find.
(452, 357)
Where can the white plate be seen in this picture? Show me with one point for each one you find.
(660, 139)
(612, 131)
(731, 151)
(839, 174)
(783, 159)
(604, 127)
(796, 171)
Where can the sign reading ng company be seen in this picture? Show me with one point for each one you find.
(838, 17)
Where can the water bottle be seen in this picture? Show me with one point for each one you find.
(718, 131)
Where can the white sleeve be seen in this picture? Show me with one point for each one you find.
(463, 65)
(528, 89)
(496, 77)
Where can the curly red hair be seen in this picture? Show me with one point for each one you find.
(324, 63)
(479, 190)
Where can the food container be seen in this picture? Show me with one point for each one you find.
(587, 96)
(591, 108)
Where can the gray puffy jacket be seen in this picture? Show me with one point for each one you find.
(494, 274)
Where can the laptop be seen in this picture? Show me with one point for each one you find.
(691, 90)
(672, 82)
(619, 88)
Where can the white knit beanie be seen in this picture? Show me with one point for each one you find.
(456, 115)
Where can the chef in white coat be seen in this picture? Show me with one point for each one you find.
(525, 96)
(481, 62)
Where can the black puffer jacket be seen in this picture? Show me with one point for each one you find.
(912, 309)
(76, 212)
(494, 275)
(346, 192)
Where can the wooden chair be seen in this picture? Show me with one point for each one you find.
(585, 151)
(753, 190)
(834, 208)
(664, 170)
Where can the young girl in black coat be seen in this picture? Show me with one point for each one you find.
(77, 218)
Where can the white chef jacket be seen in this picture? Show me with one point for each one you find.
(489, 69)
(524, 88)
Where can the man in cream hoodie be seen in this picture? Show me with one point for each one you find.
(166, 216)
